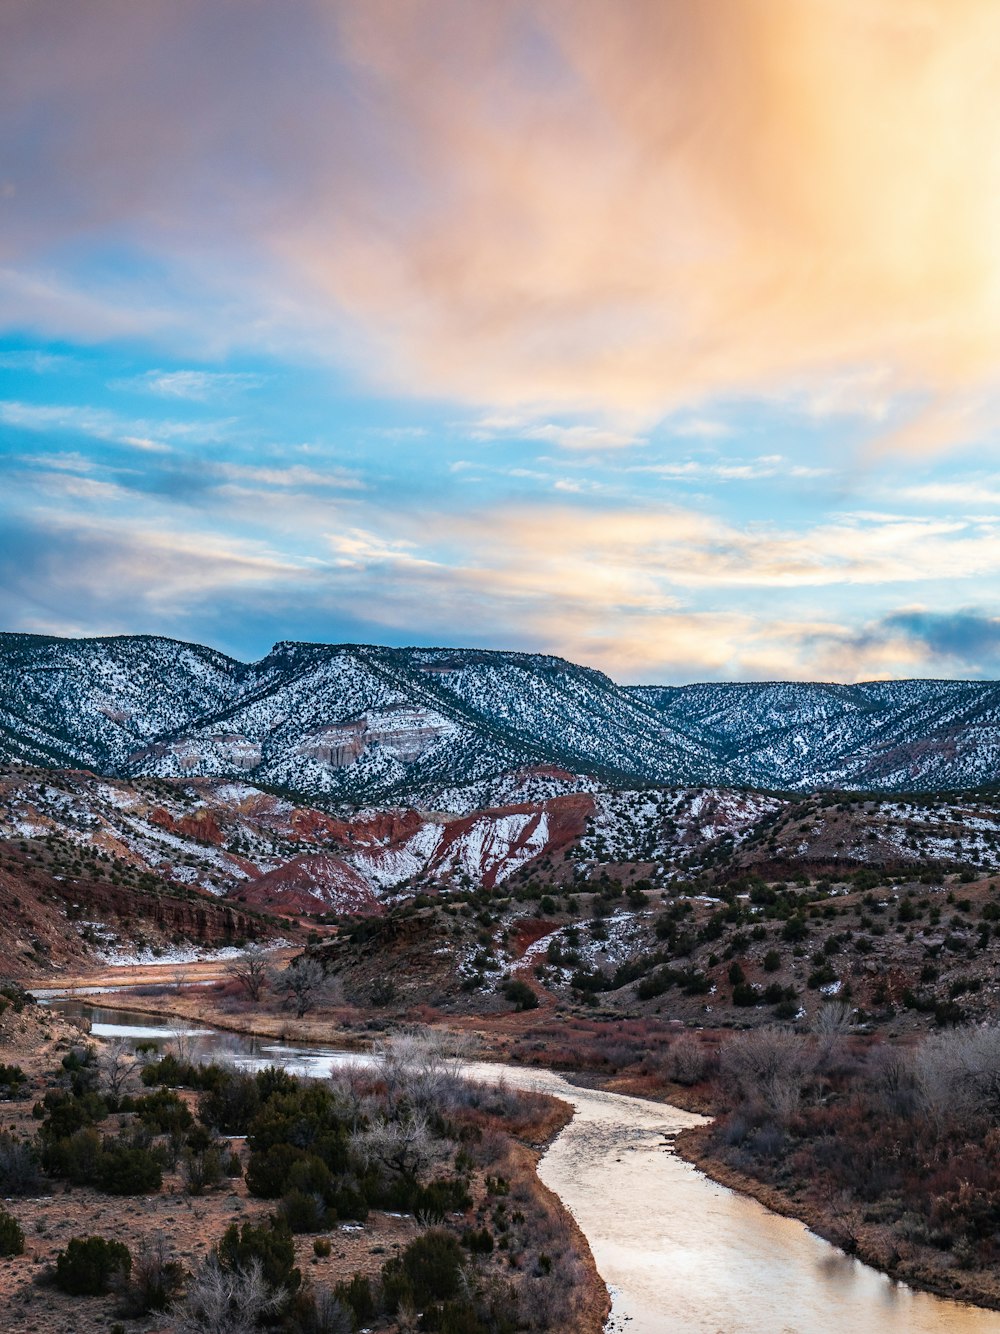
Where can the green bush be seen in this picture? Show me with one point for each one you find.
(269, 1173)
(232, 1105)
(437, 1198)
(87, 1266)
(429, 1270)
(304, 1212)
(272, 1245)
(76, 1157)
(12, 1077)
(11, 1236)
(478, 1241)
(123, 1171)
(66, 1113)
(521, 996)
(308, 1117)
(356, 1294)
(164, 1112)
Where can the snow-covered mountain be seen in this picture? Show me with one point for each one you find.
(879, 735)
(463, 729)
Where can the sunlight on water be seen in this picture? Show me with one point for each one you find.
(680, 1254)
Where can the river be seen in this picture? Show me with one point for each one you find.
(680, 1254)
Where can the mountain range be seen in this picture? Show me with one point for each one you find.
(454, 729)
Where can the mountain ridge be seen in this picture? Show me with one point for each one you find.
(370, 724)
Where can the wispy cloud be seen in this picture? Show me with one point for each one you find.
(764, 466)
(32, 360)
(195, 386)
(579, 436)
(102, 424)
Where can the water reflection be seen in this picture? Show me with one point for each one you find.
(681, 1254)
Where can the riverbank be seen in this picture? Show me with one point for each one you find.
(588, 1304)
(873, 1243)
(39, 1038)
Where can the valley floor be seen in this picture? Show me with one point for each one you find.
(39, 1038)
(528, 1037)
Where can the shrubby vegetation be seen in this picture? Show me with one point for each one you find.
(890, 1136)
(407, 1133)
(11, 1235)
(88, 1266)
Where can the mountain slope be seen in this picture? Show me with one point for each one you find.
(92, 701)
(890, 735)
(458, 729)
(352, 723)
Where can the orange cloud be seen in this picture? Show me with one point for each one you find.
(616, 207)
(634, 206)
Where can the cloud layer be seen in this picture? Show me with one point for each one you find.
(563, 202)
(560, 324)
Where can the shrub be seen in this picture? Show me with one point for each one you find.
(271, 1246)
(12, 1077)
(156, 1279)
(123, 1171)
(87, 1266)
(203, 1167)
(356, 1295)
(307, 1117)
(11, 1235)
(164, 1112)
(478, 1241)
(268, 1173)
(429, 1270)
(66, 1113)
(303, 1212)
(319, 1311)
(19, 1174)
(432, 1202)
(322, 1247)
(232, 1105)
(686, 1059)
(521, 996)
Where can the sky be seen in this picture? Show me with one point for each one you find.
(664, 336)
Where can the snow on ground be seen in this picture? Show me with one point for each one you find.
(125, 958)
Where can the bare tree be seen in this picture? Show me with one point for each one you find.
(958, 1074)
(184, 1044)
(357, 1105)
(423, 1067)
(118, 1068)
(893, 1077)
(302, 985)
(404, 1147)
(250, 969)
(767, 1066)
(228, 1301)
(831, 1025)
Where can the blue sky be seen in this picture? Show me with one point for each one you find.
(297, 344)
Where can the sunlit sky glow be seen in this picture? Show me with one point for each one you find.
(662, 335)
